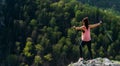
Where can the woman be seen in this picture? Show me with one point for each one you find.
(85, 37)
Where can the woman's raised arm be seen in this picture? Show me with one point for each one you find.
(95, 25)
(78, 28)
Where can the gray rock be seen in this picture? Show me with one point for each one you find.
(96, 62)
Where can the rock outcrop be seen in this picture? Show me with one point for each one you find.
(96, 62)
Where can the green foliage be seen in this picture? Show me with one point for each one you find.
(28, 48)
(103, 4)
(18, 45)
(110, 50)
(77, 15)
(33, 22)
(39, 48)
(101, 52)
(37, 60)
(117, 57)
(23, 64)
(48, 57)
(52, 22)
(75, 51)
(57, 49)
(11, 60)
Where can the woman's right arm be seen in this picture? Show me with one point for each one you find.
(78, 28)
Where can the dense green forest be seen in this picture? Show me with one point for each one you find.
(39, 33)
(111, 4)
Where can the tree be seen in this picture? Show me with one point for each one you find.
(101, 53)
(11, 60)
(78, 15)
(37, 60)
(28, 51)
(33, 23)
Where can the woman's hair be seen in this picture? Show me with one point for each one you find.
(85, 22)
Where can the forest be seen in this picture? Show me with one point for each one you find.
(40, 33)
(103, 3)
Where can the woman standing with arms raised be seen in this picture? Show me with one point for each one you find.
(85, 36)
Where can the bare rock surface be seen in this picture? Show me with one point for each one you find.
(96, 62)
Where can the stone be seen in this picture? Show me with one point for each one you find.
(96, 62)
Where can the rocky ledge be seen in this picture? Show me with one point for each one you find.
(96, 62)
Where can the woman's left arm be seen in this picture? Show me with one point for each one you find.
(95, 25)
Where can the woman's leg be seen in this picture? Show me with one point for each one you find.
(89, 49)
(80, 48)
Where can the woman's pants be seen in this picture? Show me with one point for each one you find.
(82, 44)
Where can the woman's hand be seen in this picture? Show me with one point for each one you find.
(74, 27)
(100, 22)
